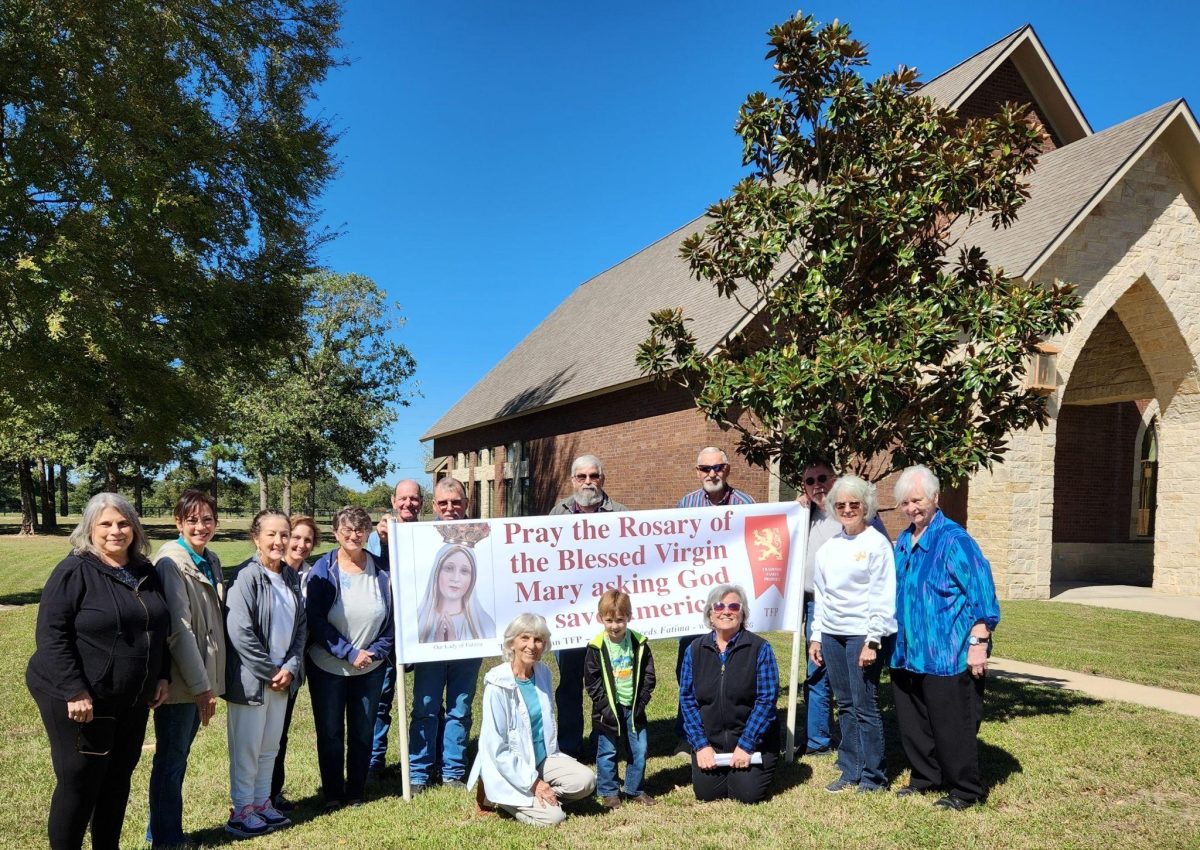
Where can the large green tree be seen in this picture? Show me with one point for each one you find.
(871, 338)
(158, 170)
(328, 406)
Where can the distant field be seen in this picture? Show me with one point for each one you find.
(25, 562)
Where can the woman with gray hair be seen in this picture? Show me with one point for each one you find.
(101, 664)
(853, 626)
(946, 611)
(728, 687)
(522, 770)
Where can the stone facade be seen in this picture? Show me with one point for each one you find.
(1136, 257)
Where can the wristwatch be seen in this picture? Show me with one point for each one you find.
(975, 640)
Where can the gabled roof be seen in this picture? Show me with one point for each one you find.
(1024, 48)
(587, 344)
(556, 364)
(1067, 185)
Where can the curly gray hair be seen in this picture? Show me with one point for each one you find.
(525, 624)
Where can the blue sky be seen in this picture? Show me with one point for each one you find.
(494, 156)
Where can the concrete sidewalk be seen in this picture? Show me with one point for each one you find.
(1097, 686)
(1127, 598)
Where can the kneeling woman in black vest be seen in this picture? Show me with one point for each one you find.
(727, 692)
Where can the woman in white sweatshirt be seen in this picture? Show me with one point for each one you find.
(854, 624)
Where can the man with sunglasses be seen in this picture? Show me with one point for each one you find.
(816, 481)
(712, 470)
(587, 481)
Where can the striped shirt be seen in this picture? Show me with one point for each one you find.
(943, 588)
(700, 499)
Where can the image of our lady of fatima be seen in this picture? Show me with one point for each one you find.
(451, 609)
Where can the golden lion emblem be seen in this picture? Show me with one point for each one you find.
(769, 543)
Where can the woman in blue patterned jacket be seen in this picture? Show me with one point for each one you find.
(946, 611)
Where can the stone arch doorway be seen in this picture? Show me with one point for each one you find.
(1126, 437)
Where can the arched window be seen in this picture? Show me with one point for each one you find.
(1147, 471)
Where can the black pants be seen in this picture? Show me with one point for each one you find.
(91, 788)
(749, 785)
(939, 720)
(279, 774)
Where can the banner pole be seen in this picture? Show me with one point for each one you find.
(401, 690)
(798, 647)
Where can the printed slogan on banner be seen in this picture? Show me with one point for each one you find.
(458, 584)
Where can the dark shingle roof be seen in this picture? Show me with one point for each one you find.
(948, 87)
(1060, 190)
(556, 362)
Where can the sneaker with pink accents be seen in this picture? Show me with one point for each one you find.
(245, 822)
(273, 817)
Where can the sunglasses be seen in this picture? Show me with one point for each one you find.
(732, 607)
(713, 467)
(847, 506)
(819, 479)
(588, 476)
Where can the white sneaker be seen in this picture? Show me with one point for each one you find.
(273, 817)
(246, 823)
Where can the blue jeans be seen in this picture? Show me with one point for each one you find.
(383, 717)
(344, 715)
(856, 689)
(606, 758)
(457, 680)
(568, 699)
(817, 704)
(175, 728)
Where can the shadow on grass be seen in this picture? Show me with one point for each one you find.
(1009, 699)
(28, 597)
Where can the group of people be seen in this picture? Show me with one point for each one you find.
(119, 635)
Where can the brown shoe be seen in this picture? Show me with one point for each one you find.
(611, 803)
(642, 800)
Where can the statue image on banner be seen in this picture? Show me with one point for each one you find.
(450, 609)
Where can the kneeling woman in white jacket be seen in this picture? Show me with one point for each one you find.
(519, 762)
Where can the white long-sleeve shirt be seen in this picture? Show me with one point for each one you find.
(855, 586)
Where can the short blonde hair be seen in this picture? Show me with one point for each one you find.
(525, 624)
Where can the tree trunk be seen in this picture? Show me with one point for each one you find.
(64, 505)
(312, 490)
(263, 493)
(28, 518)
(138, 488)
(49, 520)
(287, 493)
(110, 476)
(216, 470)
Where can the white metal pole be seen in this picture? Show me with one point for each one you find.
(401, 688)
(798, 648)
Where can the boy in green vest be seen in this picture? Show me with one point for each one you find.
(618, 673)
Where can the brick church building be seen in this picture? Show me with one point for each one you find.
(1105, 493)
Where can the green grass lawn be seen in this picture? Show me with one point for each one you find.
(1064, 770)
(1144, 648)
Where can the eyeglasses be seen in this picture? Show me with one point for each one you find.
(449, 503)
(203, 520)
(818, 479)
(732, 607)
(347, 531)
(847, 506)
(588, 476)
(711, 467)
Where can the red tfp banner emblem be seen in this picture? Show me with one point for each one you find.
(767, 541)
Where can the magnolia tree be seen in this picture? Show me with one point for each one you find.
(871, 339)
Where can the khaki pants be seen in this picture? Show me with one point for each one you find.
(570, 781)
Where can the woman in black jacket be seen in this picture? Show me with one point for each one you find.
(101, 664)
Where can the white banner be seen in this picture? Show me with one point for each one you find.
(458, 584)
